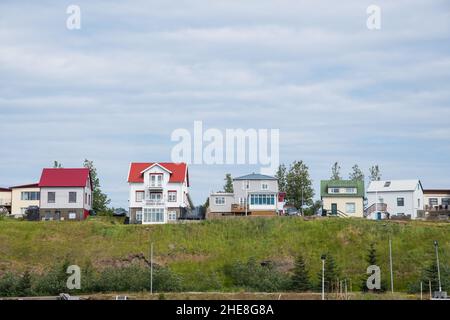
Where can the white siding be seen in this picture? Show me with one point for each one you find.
(62, 198)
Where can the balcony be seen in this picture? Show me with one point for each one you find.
(155, 186)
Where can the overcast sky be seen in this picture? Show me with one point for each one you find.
(114, 90)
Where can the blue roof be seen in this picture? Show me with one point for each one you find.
(255, 176)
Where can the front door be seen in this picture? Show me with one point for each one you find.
(334, 208)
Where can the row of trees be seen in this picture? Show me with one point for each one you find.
(356, 174)
(100, 200)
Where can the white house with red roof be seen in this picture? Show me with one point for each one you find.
(66, 194)
(159, 192)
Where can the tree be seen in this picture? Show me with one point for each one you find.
(100, 200)
(24, 285)
(300, 281)
(372, 261)
(356, 174)
(299, 190)
(57, 165)
(375, 174)
(228, 187)
(332, 273)
(336, 172)
(281, 176)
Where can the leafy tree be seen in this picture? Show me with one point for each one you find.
(100, 200)
(336, 172)
(281, 176)
(375, 174)
(57, 165)
(300, 281)
(299, 188)
(332, 273)
(228, 187)
(356, 174)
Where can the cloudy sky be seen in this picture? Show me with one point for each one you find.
(114, 90)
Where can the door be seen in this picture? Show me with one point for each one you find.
(334, 208)
(378, 215)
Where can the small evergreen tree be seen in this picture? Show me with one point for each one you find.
(24, 285)
(300, 281)
(228, 187)
(372, 261)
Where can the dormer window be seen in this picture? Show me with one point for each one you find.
(387, 184)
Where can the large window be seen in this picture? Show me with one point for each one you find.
(30, 195)
(262, 199)
(72, 197)
(156, 180)
(51, 197)
(446, 201)
(139, 216)
(172, 196)
(433, 201)
(139, 196)
(153, 215)
(400, 202)
(220, 201)
(350, 207)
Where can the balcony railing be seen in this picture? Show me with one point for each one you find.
(155, 186)
(154, 203)
(382, 207)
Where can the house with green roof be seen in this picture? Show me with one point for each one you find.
(343, 197)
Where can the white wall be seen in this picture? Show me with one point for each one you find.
(62, 198)
(390, 198)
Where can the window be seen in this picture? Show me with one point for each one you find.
(387, 184)
(245, 185)
(333, 190)
(72, 197)
(51, 197)
(262, 199)
(433, 201)
(220, 201)
(418, 203)
(350, 207)
(155, 196)
(156, 180)
(446, 201)
(264, 186)
(139, 215)
(85, 198)
(172, 215)
(400, 202)
(72, 215)
(139, 196)
(172, 197)
(153, 215)
(30, 196)
(350, 190)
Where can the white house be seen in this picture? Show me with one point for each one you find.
(159, 192)
(394, 198)
(65, 194)
(259, 192)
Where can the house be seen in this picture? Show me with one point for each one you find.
(66, 194)
(437, 200)
(253, 194)
(5, 199)
(402, 198)
(343, 197)
(159, 192)
(24, 196)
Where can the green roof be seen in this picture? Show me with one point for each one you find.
(325, 184)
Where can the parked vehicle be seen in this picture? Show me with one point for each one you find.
(292, 211)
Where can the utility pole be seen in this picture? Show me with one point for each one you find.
(151, 268)
(390, 265)
(246, 198)
(436, 246)
(323, 276)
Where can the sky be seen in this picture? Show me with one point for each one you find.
(114, 90)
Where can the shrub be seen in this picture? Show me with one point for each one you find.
(252, 276)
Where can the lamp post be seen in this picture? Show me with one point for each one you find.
(151, 268)
(323, 258)
(436, 246)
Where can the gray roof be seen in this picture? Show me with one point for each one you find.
(255, 176)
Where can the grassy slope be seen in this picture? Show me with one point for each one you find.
(206, 246)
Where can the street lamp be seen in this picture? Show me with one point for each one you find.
(436, 246)
(323, 258)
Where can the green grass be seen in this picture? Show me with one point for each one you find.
(192, 248)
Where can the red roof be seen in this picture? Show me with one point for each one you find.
(179, 171)
(62, 177)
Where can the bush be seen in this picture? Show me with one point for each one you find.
(12, 285)
(252, 276)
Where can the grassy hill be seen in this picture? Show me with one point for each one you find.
(199, 250)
